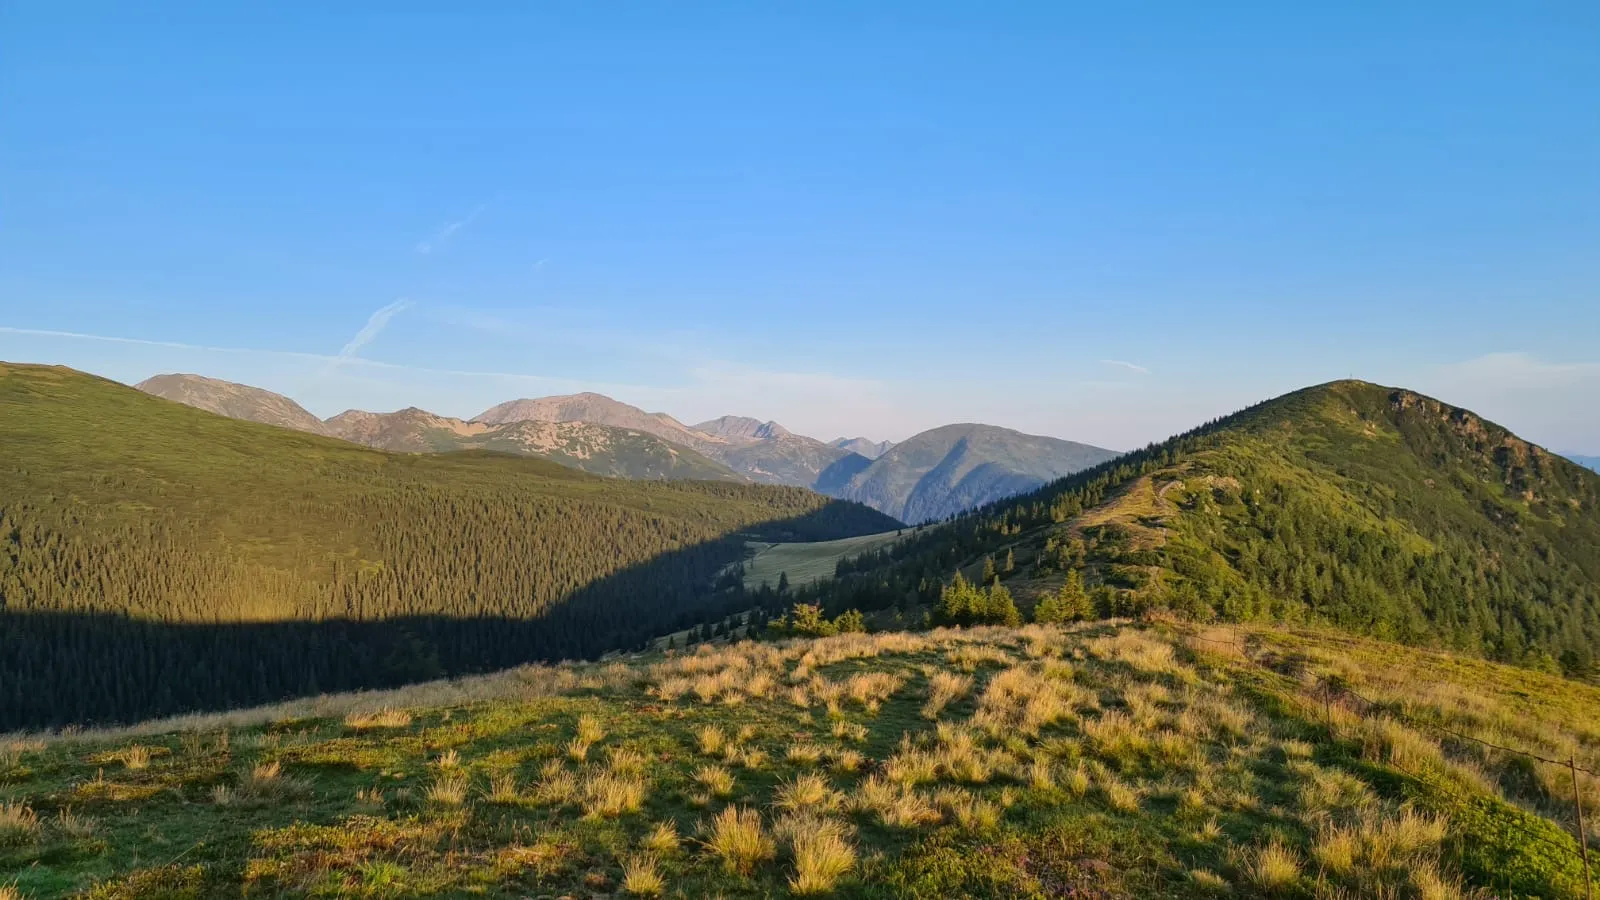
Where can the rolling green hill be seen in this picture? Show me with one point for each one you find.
(236, 401)
(1375, 509)
(155, 558)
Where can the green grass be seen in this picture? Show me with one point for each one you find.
(1164, 768)
(809, 561)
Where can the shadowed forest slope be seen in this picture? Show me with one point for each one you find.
(117, 504)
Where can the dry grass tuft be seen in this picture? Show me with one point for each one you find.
(19, 824)
(850, 731)
(821, 850)
(845, 760)
(75, 826)
(970, 812)
(895, 805)
(626, 761)
(1118, 794)
(872, 688)
(712, 740)
(134, 757)
(1077, 781)
(737, 837)
(382, 718)
(945, 688)
(807, 792)
(1272, 867)
(662, 840)
(607, 795)
(715, 779)
(804, 754)
(448, 789)
(557, 786)
(589, 729)
(641, 875)
(504, 790)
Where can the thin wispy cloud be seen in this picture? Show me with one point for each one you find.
(1520, 369)
(540, 264)
(375, 325)
(445, 232)
(548, 382)
(1132, 367)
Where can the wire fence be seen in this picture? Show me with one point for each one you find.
(1331, 692)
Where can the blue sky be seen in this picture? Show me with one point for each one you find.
(1102, 222)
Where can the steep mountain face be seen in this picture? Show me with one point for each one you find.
(957, 467)
(761, 451)
(176, 559)
(789, 459)
(1377, 510)
(236, 401)
(742, 428)
(600, 449)
(770, 453)
(865, 446)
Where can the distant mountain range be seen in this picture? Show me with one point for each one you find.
(236, 401)
(929, 476)
(957, 467)
(601, 449)
(591, 447)
(1592, 462)
(865, 446)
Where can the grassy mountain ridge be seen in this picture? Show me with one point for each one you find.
(1375, 509)
(164, 540)
(236, 401)
(1111, 761)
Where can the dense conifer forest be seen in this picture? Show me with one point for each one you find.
(1374, 509)
(156, 559)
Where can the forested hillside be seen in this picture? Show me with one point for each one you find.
(156, 558)
(1374, 509)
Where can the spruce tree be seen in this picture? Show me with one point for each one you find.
(1001, 609)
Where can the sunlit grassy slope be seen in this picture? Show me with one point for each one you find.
(805, 562)
(1114, 761)
(1373, 509)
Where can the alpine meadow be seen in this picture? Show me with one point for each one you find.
(719, 451)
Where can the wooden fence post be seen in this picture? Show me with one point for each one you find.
(1583, 834)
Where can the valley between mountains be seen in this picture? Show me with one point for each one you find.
(1342, 643)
